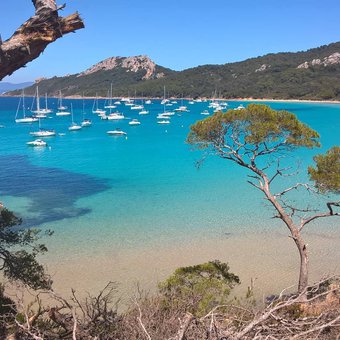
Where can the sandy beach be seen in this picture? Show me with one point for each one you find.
(269, 259)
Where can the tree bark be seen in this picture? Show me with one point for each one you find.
(295, 233)
(33, 36)
(303, 277)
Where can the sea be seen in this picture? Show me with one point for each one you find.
(133, 208)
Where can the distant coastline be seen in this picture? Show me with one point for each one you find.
(248, 99)
(286, 100)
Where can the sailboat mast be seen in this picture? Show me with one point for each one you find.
(23, 103)
(83, 106)
(110, 102)
(164, 100)
(38, 100)
(72, 113)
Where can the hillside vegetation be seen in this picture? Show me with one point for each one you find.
(312, 74)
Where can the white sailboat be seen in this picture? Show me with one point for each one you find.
(115, 116)
(39, 112)
(137, 107)
(165, 114)
(24, 119)
(143, 112)
(62, 109)
(182, 108)
(96, 109)
(37, 98)
(116, 132)
(205, 112)
(63, 113)
(164, 101)
(240, 107)
(74, 126)
(37, 142)
(86, 122)
(110, 105)
(134, 122)
(61, 106)
(163, 121)
(43, 132)
(127, 100)
(46, 109)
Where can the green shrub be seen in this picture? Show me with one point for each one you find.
(199, 288)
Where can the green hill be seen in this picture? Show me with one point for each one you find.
(312, 74)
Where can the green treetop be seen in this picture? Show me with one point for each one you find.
(21, 264)
(326, 174)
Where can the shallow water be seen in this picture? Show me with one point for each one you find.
(135, 208)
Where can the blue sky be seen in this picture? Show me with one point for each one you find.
(177, 34)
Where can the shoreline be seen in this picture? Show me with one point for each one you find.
(247, 99)
(285, 100)
(250, 256)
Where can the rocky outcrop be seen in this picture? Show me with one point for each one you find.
(131, 64)
(38, 80)
(330, 60)
(262, 68)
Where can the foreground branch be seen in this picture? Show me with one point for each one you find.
(32, 37)
(285, 317)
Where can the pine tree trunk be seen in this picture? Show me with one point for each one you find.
(295, 233)
(303, 277)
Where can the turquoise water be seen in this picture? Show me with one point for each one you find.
(99, 192)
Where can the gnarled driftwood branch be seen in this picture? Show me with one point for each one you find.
(33, 36)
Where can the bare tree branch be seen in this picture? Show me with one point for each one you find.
(294, 187)
(332, 204)
(312, 218)
(319, 328)
(139, 318)
(33, 36)
(74, 332)
(255, 185)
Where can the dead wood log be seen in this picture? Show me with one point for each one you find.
(185, 323)
(33, 36)
(65, 321)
